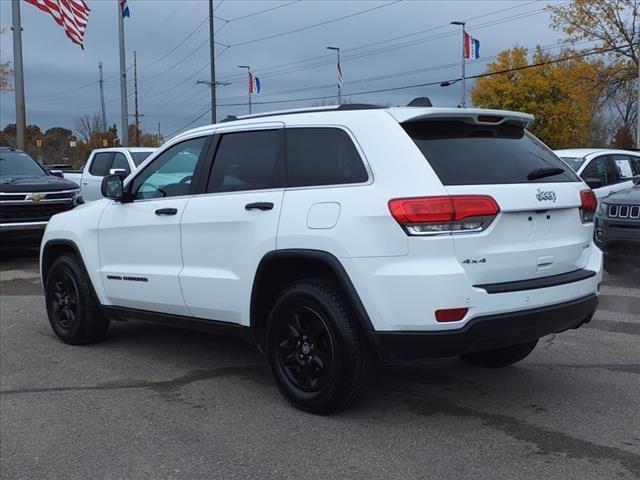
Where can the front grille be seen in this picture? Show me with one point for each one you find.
(38, 212)
(624, 211)
(22, 197)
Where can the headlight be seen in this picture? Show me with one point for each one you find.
(602, 208)
(77, 198)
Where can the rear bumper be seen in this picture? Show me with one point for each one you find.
(486, 332)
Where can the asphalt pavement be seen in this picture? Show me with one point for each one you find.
(160, 403)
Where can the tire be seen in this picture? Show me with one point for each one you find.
(500, 357)
(72, 308)
(318, 354)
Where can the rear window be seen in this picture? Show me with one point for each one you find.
(574, 162)
(465, 154)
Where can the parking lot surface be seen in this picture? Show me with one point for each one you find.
(161, 403)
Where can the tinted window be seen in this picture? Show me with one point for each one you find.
(247, 161)
(170, 173)
(120, 162)
(464, 154)
(635, 165)
(19, 164)
(574, 162)
(322, 156)
(139, 157)
(601, 169)
(101, 164)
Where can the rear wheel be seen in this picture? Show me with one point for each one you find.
(500, 357)
(71, 306)
(319, 357)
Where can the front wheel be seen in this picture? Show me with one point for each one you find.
(71, 306)
(317, 352)
(500, 357)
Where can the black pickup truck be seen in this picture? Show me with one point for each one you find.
(30, 195)
(617, 229)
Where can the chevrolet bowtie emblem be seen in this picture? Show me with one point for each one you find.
(35, 197)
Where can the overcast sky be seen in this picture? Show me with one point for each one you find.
(61, 79)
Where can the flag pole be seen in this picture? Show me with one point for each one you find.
(249, 84)
(212, 61)
(462, 86)
(21, 121)
(124, 113)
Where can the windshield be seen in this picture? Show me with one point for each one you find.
(574, 162)
(19, 164)
(139, 157)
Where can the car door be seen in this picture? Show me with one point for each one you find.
(140, 251)
(92, 176)
(601, 168)
(227, 231)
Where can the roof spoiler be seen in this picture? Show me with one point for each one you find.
(467, 115)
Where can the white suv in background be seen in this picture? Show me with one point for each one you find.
(334, 237)
(607, 171)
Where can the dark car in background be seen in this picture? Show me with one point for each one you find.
(30, 195)
(617, 229)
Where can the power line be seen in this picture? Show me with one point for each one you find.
(242, 17)
(405, 87)
(281, 34)
(176, 47)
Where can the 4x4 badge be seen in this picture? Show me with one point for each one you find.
(475, 260)
(546, 195)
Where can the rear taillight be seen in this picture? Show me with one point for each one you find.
(451, 314)
(588, 204)
(444, 215)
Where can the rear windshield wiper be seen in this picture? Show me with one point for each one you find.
(544, 172)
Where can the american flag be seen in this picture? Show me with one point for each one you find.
(72, 15)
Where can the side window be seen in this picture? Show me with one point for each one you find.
(170, 173)
(322, 156)
(247, 161)
(120, 161)
(635, 165)
(601, 169)
(623, 164)
(100, 164)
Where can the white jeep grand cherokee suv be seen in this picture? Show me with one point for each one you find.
(334, 237)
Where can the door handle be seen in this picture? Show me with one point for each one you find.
(85, 182)
(259, 206)
(166, 211)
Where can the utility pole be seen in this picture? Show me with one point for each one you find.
(159, 136)
(462, 86)
(135, 97)
(103, 112)
(213, 63)
(249, 78)
(339, 73)
(21, 121)
(124, 111)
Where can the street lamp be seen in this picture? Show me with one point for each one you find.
(250, 86)
(337, 50)
(462, 89)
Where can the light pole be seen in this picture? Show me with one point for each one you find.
(250, 80)
(21, 122)
(462, 87)
(339, 73)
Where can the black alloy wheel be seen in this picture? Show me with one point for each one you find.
(305, 348)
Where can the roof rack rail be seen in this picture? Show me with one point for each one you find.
(343, 107)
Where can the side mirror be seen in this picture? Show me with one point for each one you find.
(56, 173)
(121, 172)
(636, 180)
(593, 182)
(112, 187)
